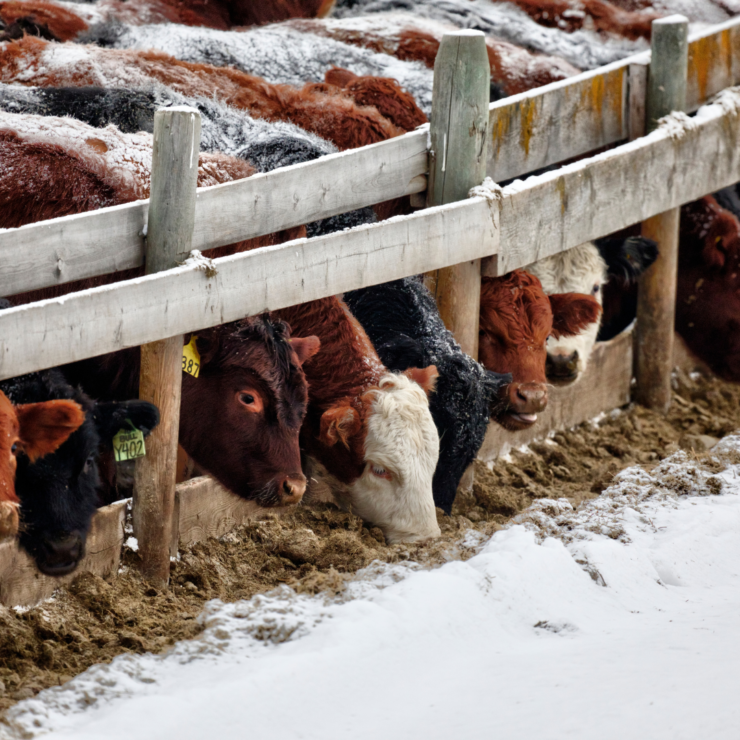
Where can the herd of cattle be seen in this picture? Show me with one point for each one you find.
(368, 388)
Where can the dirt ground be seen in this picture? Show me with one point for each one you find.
(316, 548)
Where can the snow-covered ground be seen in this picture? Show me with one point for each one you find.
(619, 620)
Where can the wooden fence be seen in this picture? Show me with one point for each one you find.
(523, 222)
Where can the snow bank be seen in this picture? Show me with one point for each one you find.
(616, 620)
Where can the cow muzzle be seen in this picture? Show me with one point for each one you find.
(291, 489)
(526, 401)
(562, 368)
(60, 555)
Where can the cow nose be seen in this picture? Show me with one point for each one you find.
(560, 366)
(528, 398)
(60, 555)
(292, 489)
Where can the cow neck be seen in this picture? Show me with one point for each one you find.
(347, 365)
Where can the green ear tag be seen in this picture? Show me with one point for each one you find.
(128, 444)
(191, 358)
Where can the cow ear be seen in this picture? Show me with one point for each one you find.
(426, 377)
(207, 344)
(572, 312)
(110, 418)
(627, 258)
(305, 347)
(43, 427)
(339, 424)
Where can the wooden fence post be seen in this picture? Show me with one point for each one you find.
(656, 303)
(459, 149)
(169, 238)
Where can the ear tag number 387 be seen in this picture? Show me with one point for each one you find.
(191, 357)
(128, 444)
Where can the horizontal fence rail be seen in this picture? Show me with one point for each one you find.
(531, 220)
(539, 128)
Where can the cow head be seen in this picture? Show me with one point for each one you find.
(516, 320)
(586, 269)
(59, 492)
(34, 430)
(241, 417)
(395, 445)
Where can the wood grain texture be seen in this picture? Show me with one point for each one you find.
(171, 218)
(656, 301)
(206, 509)
(623, 186)
(604, 386)
(638, 80)
(138, 311)
(112, 239)
(459, 139)
(21, 584)
(535, 129)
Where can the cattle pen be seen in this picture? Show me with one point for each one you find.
(634, 176)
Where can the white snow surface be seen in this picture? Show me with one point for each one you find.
(616, 620)
(277, 53)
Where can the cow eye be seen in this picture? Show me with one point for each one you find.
(596, 289)
(246, 398)
(88, 464)
(380, 472)
(15, 449)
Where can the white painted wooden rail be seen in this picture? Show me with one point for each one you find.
(533, 219)
(539, 128)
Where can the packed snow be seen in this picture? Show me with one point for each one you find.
(615, 620)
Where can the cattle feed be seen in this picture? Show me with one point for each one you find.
(278, 54)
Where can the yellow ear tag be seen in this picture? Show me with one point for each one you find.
(128, 444)
(191, 358)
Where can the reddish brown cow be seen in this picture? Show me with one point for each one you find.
(335, 118)
(708, 292)
(383, 93)
(371, 429)
(62, 166)
(408, 38)
(516, 318)
(572, 15)
(35, 430)
(58, 22)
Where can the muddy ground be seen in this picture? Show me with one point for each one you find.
(315, 548)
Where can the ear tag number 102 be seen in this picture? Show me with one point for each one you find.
(191, 357)
(128, 444)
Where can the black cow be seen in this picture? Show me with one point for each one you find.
(403, 322)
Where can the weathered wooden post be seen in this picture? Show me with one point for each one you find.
(169, 237)
(656, 303)
(459, 137)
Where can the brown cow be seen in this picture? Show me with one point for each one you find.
(516, 318)
(61, 166)
(572, 15)
(415, 39)
(336, 118)
(35, 430)
(58, 22)
(370, 428)
(383, 93)
(708, 291)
